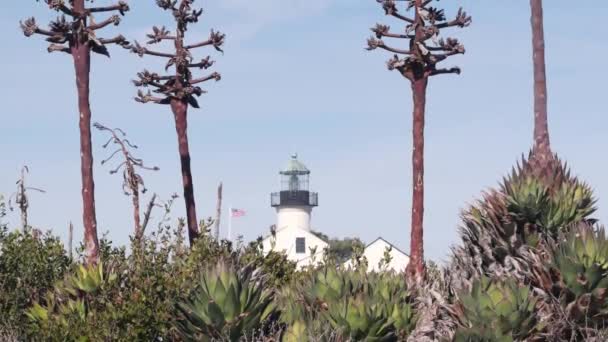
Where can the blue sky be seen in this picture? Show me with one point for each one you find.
(296, 78)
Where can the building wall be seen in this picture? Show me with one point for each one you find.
(286, 241)
(374, 253)
(294, 217)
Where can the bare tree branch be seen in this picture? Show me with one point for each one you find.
(461, 20)
(383, 31)
(121, 7)
(59, 6)
(118, 40)
(390, 8)
(454, 70)
(373, 43)
(115, 19)
(145, 98)
(148, 213)
(141, 51)
(205, 63)
(215, 76)
(58, 48)
(159, 34)
(216, 39)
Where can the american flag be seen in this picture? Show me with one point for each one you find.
(237, 212)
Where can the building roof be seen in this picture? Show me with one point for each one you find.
(268, 236)
(388, 243)
(295, 167)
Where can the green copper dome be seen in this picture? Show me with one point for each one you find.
(295, 167)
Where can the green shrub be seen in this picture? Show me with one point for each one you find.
(30, 264)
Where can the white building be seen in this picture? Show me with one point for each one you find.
(294, 203)
(374, 253)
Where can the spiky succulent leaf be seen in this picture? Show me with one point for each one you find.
(361, 306)
(228, 301)
(531, 207)
(580, 264)
(497, 310)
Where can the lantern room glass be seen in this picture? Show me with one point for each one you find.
(294, 181)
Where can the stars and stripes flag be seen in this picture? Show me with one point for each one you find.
(237, 212)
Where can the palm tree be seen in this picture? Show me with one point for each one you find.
(418, 64)
(180, 89)
(77, 36)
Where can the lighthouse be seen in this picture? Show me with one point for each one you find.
(293, 203)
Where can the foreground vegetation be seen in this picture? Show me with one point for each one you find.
(532, 266)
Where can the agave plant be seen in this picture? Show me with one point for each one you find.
(580, 265)
(550, 207)
(532, 206)
(296, 332)
(361, 306)
(497, 310)
(361, 318)
(70, 309)
(227, 302)
(393, 294)
(88, 280)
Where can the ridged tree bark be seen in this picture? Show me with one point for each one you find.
(82, 65)
(180, 89)
(78, 38)
(180, 113)
(541, 124)
(419, 63)
(416, 265)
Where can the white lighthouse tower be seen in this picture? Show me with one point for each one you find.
(294, 203)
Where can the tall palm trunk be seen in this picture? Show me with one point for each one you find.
(541, 126)
(82, 63)
(419, 81)
(415, 267)
(180, 112)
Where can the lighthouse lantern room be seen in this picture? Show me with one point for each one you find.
(295, 201)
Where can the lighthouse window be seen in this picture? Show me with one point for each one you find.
(294, 183)
(300, 245)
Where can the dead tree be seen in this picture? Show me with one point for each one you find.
(542, 147)
(75, 32)
(180, 89)
(148, 213)
(417, 62)
(21, 199)
(218, 211)
(70, 239)
(132, 182)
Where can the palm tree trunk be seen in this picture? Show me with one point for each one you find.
(415, 268)
(180, 112)
(541, 126)
(82, 64)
